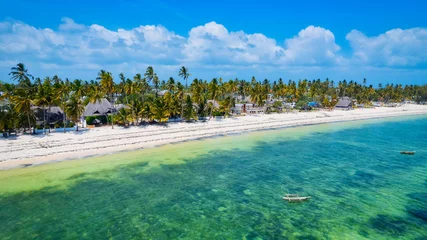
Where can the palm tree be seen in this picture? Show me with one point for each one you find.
(22, 102)
(107, 85)
(171, 103)
(156, 83)
(62, 90)
(226, 105)
(183, 72)
(149, 73)
(21, 74)
(214, 92)
(160, 111)
(124, 116)
(170, 85)
(258, 95)
(74, 109)
(123, 87)
(46, 97)
(189, 112)
(6, 119)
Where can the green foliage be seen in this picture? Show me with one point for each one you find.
(302, 101)
(144, 104)
(123, 117)
(189, 110)
(277, 104)
(103, 119)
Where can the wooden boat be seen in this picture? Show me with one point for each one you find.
(408, 152)
(295, 198)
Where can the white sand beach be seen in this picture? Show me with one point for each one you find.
(31, 150)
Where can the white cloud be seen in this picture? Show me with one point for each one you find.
(396, 47)
(212, 42)
(69, 25)
(312, 46)
(209, 48)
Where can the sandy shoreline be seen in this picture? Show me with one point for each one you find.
(32, 150)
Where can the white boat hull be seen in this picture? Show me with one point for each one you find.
(296, 199)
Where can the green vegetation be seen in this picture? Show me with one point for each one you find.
(146, 97)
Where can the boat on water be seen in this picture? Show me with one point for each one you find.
(408, 152)
(295, 198)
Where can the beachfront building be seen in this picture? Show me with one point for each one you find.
(344, 103)
(50, 116)
(98, 108)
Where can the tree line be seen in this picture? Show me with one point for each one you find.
(146, 97)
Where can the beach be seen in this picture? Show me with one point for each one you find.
(27, 150)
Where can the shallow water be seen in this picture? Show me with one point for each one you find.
(231, 188)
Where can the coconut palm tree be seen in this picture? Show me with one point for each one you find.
(149, 74)
(213, 93)
(124, 116)
(156, 83)
(46, 97)
(22, 102)
(160, 110)
(74, 109)
(62, 90)
(171, 103)
(226, 105)
(183, 72)
(189, 111)
(123, 87)
(170, 85)
(20, 73)
(6, 118)
(258, 95)
(107, 86)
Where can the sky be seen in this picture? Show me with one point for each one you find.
(382, 41)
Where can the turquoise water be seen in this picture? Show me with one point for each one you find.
(231, 188)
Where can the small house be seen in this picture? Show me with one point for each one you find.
(344, 103)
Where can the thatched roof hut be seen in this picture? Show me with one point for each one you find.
(99, 108)
(344, 102)
(56, 114)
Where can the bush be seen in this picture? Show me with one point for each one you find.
(103, 119)
(217, 114)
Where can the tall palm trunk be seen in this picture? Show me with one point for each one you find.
(77, 125)
(29, 122)
(48, 117)
(44, 120)
(182, 107)
(112, 112)
(213, 105)
(64, 120)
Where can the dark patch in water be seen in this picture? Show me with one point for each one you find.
(418, 213)
(77, 176)
(307, 237)
(390, 225)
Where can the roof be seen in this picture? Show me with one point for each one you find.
(103, 107)
(56, 114)
(344, 102)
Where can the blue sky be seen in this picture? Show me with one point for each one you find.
(383, 41)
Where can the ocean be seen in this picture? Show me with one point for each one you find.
(231, 187)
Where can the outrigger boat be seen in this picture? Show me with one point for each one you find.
(295, 198)
(408, 152)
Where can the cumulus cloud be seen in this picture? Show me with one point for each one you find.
(395, 48)
(207, 48)
(312, 46)
(69, 25)
(213, 43)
